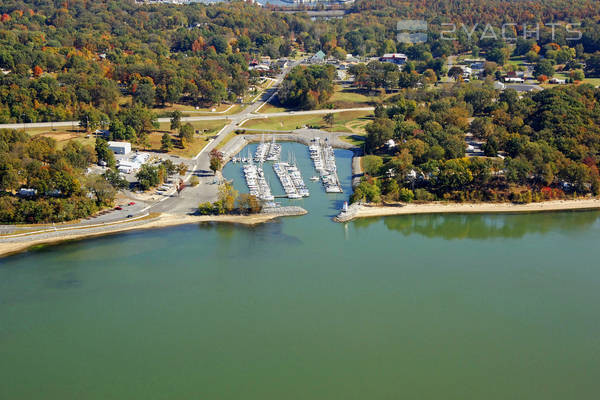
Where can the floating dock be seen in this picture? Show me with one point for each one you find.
(323, 156)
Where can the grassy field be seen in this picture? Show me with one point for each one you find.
(351, 121)
(342, 97)
(207, 129)
(356, 140)
(350, 98)
(63, 135)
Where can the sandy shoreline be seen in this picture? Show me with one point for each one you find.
(366, 211)
(9, 246)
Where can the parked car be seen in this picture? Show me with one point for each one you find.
(131, 203)
(118, 208)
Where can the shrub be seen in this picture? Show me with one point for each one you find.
(406, 195)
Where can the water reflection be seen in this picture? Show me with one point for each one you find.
(485, 226)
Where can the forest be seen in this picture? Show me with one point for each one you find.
(538, 146)
(61, 59)
(57, 188)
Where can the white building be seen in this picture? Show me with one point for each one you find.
(509, 79)
(120, 147)
(133, 164)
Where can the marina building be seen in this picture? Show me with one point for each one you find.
(120, 147)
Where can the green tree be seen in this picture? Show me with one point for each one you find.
(372, 164)
(186, 134)
(104, 153)
(176, 120)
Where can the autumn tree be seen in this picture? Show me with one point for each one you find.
(216, 160)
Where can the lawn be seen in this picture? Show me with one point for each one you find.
(517, 61)
(356, 140)
(63, 135)
(352, 121)
(343, 97)
(207, 130)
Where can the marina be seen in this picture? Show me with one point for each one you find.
(291, 179)
(257, 182)
(267, 151)
(323, 156)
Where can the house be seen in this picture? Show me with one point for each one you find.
(499, 85)
(317, 58)
(525, 88)
(477, 65)
(511, 79)
(261, 68)
(104, 133)
(283, 63)
(394, 58)
(26, 192)
(120, 147)
(351, 59)
(466, 71)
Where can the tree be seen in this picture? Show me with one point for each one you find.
(372, 164)
(378, 132)
(186, 134)
(455, 72)
(227, 197)
(216, 160)
(176, 120)
(249, 204)
(145, 94)
(577, 75)
(544, 67)
(90, 118)
(182, 168)
(166, 143)
(148, 176)
(140, 119)
(329, 119)
(115, 179)
(101, 189)
(37, 71)
(104, 153)
(307, 87)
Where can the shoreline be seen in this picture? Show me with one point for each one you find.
(21, 244)
(371, 211)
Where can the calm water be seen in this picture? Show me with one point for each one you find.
(416, 307)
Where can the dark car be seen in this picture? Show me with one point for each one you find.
(118, 208)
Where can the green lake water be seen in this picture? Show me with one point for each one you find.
(415, 307)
